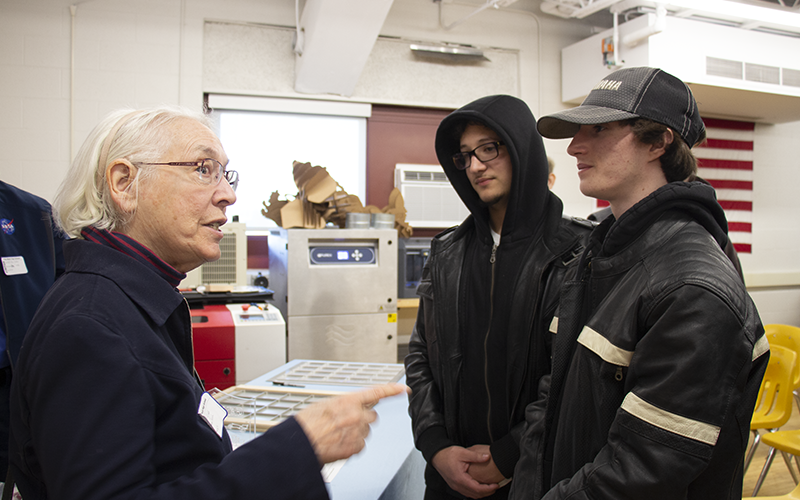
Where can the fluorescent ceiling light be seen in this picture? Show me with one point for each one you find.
(448, 50)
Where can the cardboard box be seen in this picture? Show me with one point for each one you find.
(320, 199)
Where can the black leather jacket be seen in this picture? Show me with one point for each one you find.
(657, 363)
(434, 361)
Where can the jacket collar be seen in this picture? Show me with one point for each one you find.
(154, 295)
(676, 200)
(694, 199)
(132, 248)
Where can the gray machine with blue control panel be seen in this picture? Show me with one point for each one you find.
(337, 289)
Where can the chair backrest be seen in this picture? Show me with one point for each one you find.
(774, 404)
(787, 336)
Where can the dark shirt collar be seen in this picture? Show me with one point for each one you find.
(132, 248)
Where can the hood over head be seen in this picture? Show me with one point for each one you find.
(514, 123)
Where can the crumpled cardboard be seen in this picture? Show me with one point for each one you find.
(320, 200)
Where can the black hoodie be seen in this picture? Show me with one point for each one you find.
(487, 307)
(472, 383)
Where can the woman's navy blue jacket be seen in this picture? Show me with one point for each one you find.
(104, 401)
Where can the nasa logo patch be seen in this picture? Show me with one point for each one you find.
(7, 225)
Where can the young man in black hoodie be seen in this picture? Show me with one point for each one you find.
(487, 296)
(659, 351)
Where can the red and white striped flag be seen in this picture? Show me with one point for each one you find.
(725, 160)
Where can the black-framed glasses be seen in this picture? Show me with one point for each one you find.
(484, 152)
(208, 170)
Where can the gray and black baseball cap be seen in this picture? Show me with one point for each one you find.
(631, 93)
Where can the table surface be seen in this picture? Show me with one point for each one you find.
(389, 467)
(408, 303)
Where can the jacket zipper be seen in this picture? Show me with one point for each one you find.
(492, 260)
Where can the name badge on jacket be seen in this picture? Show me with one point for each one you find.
(212, 412)
(14, 265)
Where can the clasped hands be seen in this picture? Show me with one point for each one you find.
(469, 471)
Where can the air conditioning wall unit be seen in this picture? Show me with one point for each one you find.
(430, 199)
(231, 268)
(734, 73)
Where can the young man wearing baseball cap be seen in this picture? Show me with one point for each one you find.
(658, 352)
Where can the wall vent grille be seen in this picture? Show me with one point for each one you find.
(762, 73)
(791, 77)
(224, 269)
(723, 67)
(413, 175)
(231, 268)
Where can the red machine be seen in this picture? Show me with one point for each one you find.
(235, 343)
(214, 339)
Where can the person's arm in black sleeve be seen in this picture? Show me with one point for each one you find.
(98, 440)
(425, 402)
(528, 472)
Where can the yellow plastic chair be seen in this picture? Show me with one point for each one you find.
(792, 495)
(788, 443)
(787, 336)
(774, 404)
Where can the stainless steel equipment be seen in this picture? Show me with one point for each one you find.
(412, 254)
(337, 289)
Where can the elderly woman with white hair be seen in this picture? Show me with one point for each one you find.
(105, 401)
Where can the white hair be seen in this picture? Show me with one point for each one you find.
(83, 199)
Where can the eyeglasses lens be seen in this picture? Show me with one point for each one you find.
(487, 152)
(232, 176)
(215, 172)
(461, 160)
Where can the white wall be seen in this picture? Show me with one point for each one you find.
(775, 261)
(143, 52)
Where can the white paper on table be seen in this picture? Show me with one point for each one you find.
(330, 470)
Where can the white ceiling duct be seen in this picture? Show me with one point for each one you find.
(742, 15)
(334, 42)
(734, 73)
